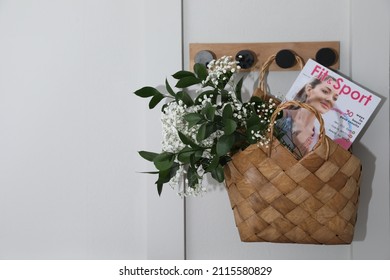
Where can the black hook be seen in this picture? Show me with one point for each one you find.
(285, 59)
(326, 57)
(246, 59)
(204, 57)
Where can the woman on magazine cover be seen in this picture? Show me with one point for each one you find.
(296, 128)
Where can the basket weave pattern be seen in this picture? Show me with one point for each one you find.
(277, 198)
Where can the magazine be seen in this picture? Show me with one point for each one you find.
(345, 106)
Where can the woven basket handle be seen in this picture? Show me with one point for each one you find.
(265, 70)
(287, 104)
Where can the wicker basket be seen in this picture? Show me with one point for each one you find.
(277, 198)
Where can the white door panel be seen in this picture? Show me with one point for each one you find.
(210, 228)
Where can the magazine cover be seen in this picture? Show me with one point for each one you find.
(345, 106)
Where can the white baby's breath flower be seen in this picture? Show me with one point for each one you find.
(172, 119)
(179, 182)
(221, 70)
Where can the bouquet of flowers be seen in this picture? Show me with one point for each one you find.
(204, 123)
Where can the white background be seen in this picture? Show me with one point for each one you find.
(70, 128)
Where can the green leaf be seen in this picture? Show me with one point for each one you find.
(227, 112)
(187, 141)
(164, 106)
(188, 81)
(257, 100)
(195, 157)
(224, 96)
(193, 119)
(201, 71)
(201, 134)
(211, 127)
(185, 97)
(147, 92)
(181, 74)
(164, 176)
(155, 100)
(229, 126)
(150, 172)
(148, 155)
(213, 164)
(218, 174)
(185, 154)
(192, 177)
(254, 120)
(159, 188)
(209, 111)
(218, 119)
(169, 88)
(238, 89)
(164, 161)
(224, 144)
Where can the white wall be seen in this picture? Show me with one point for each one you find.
(370, 66)
(70, 127)
(163, 49)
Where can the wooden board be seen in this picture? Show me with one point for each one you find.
(262, 51)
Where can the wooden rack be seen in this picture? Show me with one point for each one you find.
(326, 53)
